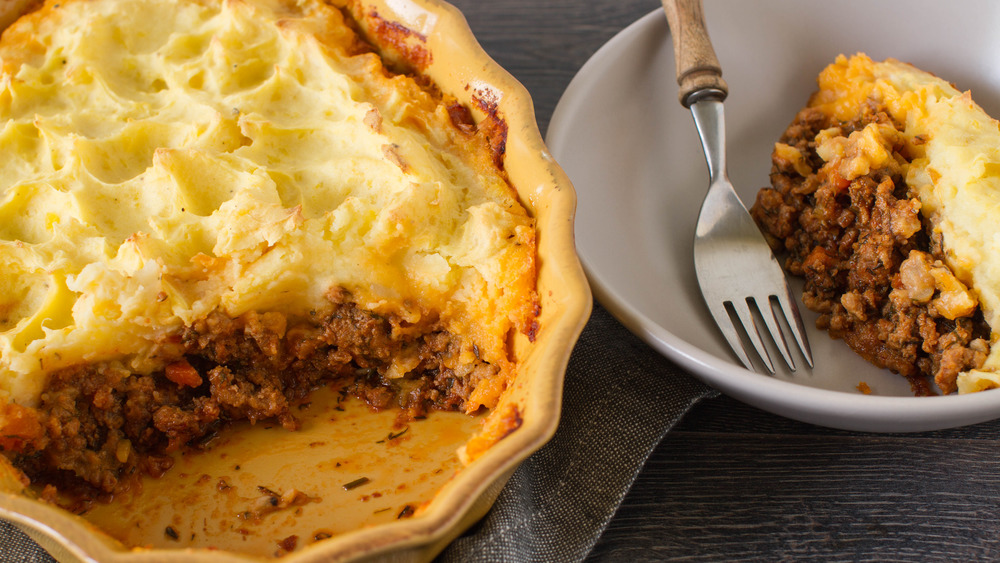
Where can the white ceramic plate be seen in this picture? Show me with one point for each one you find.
(633, 154)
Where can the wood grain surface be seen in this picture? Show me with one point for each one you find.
(733, 483)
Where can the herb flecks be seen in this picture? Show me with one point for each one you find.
(393, 435)
(356, 483)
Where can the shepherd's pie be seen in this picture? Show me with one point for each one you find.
(210, 207)
(886, 196)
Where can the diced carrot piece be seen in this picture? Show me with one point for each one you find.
(20, 427)
(183, 374)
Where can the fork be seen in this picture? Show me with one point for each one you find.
(740, 279)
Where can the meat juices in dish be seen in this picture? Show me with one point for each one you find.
(212, 207)
(885, 194)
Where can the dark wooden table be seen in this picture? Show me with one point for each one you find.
(732, 483)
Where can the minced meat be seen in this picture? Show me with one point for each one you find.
(848, 239)
(100, 425)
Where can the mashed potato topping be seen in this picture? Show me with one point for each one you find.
(165, 159)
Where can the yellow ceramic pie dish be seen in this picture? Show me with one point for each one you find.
(352, 483)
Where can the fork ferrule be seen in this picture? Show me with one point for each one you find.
(711, 124)
(704, 94)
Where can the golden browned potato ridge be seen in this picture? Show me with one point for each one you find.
(165, 160)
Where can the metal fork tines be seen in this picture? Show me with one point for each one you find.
(739, 276)
(736, 269)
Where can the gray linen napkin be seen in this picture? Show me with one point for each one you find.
(17, 547)
(620, 399)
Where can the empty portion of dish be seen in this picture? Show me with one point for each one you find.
(210, 208)
(883, 196)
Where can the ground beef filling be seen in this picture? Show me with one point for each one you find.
(98, 426)
(866, 255)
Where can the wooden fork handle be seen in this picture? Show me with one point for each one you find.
(698, 68)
